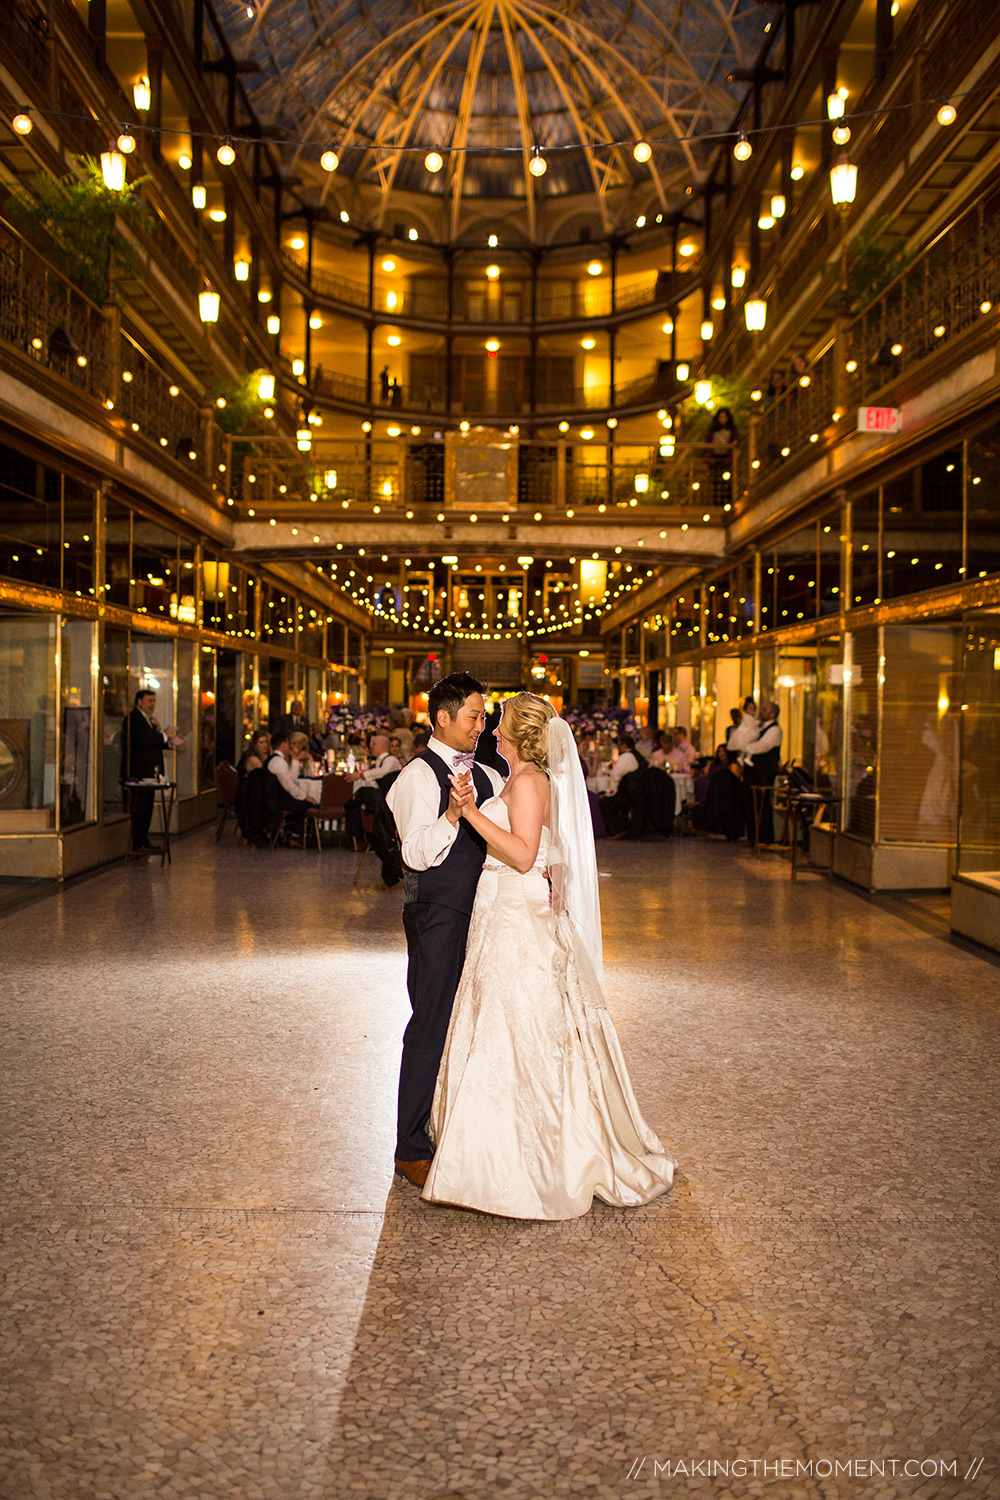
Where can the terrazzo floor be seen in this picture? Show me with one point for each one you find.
(215, 1288)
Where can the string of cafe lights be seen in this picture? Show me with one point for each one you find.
(425, 621)
(124, 136)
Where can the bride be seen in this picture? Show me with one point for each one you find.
(534, 1114)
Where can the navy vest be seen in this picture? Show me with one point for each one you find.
(453, 882)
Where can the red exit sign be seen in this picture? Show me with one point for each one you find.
(878, 418)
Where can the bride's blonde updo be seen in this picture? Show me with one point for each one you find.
(525, 722)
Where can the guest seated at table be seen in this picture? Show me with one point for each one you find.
(256, 754)
(647, 742)
(664, 743)
(721, 810)
(385, 763)
(421, 736)
(401, 728)
(616, 808)
(682, 754)
(291, 795)
(396, 748)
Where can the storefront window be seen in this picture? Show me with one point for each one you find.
(983, 506)
(979, 826)
(861, 680)
(206, 718)
(829, 715)
(249, 699)
(186, 758)
(797, 704)
(76, 781)
(30, 529)
(115, 706)
(227, 714)
(921, 709)
(27, 721)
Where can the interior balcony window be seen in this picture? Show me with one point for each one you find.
(30, 521)
(982, 490)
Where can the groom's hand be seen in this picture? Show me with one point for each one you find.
(462, 793)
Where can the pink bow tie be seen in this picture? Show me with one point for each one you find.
(466, 759)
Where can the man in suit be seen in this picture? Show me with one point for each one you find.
(144, 744)
(294, 722)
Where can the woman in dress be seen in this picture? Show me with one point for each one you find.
(534, 1114)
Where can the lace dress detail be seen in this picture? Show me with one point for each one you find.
(534, 1114)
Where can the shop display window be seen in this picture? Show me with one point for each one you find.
(186, 759)
(861, 674)
(979, 820)
(206, 718)
(27, 721)
(114, 708)
(76, 707)
(919, 740)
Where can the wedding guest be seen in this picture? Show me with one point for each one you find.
(385, 763)
(396, 748)
(401, 725)
(421, 736)
(256, 754)
(627, 761)
(682, 754)
(744, 731)
(144, 743)
(292, 795)
(294, 722)
(760, 761)
(722, 810)
(665, 740)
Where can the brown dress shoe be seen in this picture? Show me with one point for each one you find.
(413, 1171)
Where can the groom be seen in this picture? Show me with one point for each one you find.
(443, 859)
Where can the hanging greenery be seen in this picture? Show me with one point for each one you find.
(74, 220)
(242, 403)
(873, 261)
(729, 391)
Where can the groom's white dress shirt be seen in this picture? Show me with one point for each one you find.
(425, 835)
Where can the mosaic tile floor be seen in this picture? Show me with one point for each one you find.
(216, 1289)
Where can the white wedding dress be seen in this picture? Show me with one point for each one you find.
(534, 1114)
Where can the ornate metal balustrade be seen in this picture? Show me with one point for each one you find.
(46, 318)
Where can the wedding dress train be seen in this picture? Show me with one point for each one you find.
(534, 1114)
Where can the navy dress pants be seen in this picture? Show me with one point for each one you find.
(435, 943)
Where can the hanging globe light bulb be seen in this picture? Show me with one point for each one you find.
(642, 151)
(126, 143)
(22, 123)
(538, 166)
(225, 155)
(329, 161)
(743, 149)
(433, 161)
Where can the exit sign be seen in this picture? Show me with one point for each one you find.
(878, 418)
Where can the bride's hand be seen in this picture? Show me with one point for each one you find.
(462, 796)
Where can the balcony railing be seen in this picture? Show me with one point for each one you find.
(426, 397)
(56, 327)
(410, 472)
(427, 299)
(47, 319)
(953, 286)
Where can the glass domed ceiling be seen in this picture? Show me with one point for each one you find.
(485, 82)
